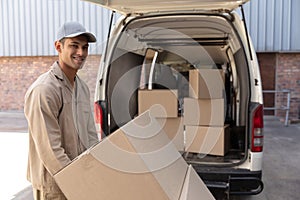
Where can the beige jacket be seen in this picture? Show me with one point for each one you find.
(60, 123)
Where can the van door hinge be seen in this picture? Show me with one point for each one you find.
(108, 34)
(246, 31)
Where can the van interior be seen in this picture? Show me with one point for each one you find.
(175, 44)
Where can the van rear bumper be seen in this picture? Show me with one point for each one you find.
(233, 181)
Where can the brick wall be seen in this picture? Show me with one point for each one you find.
(288, 77)
(18, 73)
(267, 63)
(281, 71)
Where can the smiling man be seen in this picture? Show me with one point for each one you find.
(57, 108)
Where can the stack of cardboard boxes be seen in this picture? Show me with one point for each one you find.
(201, 129)
(204, 113)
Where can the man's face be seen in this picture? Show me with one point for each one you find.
(73, 52)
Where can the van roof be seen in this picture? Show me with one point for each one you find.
(126, 7)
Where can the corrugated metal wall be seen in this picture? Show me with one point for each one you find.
(274, 24)
(28, 27)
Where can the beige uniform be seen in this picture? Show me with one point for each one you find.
(60, 123)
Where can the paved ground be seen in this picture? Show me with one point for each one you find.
(13, 122)
(281, 164)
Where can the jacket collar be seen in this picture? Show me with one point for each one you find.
(60, 74)
(57, 71)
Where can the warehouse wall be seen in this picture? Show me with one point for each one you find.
(28, 28)
(274, 24)
(18, 73)
(279, 71)
(288, 77)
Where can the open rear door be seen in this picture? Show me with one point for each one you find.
(145, 6)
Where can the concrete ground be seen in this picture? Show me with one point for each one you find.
(13, 154)
(281, 165)
(13, 122)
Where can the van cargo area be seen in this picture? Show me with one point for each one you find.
(201, 58)
(192, 66)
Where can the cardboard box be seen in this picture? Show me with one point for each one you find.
(161, 103)
(137, 161)
(173, 127)
(204, 112)
(206, 83)
(207, 140)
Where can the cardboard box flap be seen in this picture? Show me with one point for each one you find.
(194, 188)
(142, 138)
(173, 127)
(117, 153)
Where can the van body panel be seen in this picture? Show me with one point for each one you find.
(253, 163)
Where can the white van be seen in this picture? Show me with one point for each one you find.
(183, 47)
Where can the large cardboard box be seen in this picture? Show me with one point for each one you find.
(161, 103)
(207, 140)
(206, 83)
(204, 112)
(173, 127)
(137, 161)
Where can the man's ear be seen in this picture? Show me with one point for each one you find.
(58, 46)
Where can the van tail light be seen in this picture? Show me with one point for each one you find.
(98, 112)
(257, 138)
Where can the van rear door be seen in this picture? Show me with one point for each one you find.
(126, 7)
